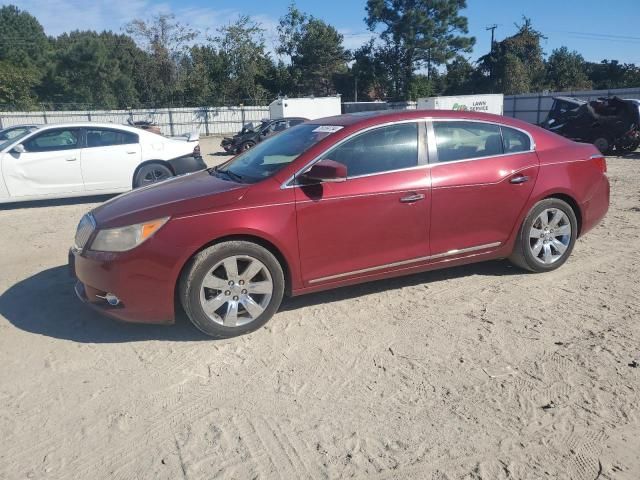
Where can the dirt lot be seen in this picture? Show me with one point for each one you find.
(479, 372)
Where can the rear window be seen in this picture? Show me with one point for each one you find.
(465, 140)
(515, 141)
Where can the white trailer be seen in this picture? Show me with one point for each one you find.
(309, 108)
(493, 103)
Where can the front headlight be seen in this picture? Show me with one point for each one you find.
(125, 238)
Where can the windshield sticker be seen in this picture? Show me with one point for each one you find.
(328, 129)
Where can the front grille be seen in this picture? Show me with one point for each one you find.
(85, 228)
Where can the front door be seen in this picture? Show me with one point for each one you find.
(375, 220)
(50, 165)
(482, 177)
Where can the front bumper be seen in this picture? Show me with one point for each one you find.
(141, 285)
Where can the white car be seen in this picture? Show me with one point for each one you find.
(77, 159)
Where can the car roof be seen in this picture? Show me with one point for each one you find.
(575, 100)
(90, 125)
(365, 119)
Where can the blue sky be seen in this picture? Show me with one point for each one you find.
(579, 24)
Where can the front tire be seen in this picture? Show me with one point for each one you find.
(547, 236)
(232, 288)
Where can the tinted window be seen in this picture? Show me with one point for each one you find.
(464, 140)
(105, 138)
(380, 150)
(515, 140)
(52, 140)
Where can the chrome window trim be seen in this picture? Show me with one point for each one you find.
(407, 262)
(421, 152)
(431, 147)
(434, 147)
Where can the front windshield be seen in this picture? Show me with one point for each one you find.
(5, 143)
(269, 156)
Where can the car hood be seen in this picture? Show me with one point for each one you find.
(174, 197)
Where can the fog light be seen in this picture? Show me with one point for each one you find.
(111, 299)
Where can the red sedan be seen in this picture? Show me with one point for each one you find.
(335, 202)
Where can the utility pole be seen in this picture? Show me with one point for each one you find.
(355, 89)
(493, 29)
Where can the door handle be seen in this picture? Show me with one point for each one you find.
(519, 179)
(414, 197)
(131, 153)
(71, 159)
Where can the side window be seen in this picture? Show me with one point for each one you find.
(465, 140)
(104, 138)
(53, 140)
(515, 140)
(381, 150)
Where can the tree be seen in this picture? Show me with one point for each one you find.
(166, 40)
(22, 38)
(242, 49)
(92, 68)
(419, 33)
(459, 77)
(316, 52)
(613, 74)
(515, 65)
(16, 86)
(566, 71)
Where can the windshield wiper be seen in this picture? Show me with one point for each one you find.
(234, 176)
(228, 173)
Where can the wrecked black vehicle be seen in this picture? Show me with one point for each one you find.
(611, 124)
(254, 132)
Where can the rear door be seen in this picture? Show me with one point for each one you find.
(109, 158)
(482, 176)
(50, 164)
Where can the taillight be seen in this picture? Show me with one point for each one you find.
(600, 161)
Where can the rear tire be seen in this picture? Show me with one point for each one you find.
(150, 173)
(232, 288)
(247, 146)
(547, 236)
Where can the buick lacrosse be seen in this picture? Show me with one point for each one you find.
(334, 202)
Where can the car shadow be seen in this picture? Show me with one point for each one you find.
(56, 202)
(45, 304)
(632, 155)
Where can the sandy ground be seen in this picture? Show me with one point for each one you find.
(479, 372)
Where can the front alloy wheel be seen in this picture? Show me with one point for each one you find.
(236, 291)
(232, 288)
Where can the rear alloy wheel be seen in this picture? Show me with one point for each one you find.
(546, 237)
(232, 288)
(151, 173)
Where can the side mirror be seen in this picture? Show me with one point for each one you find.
(18, 149)
(325, 171)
